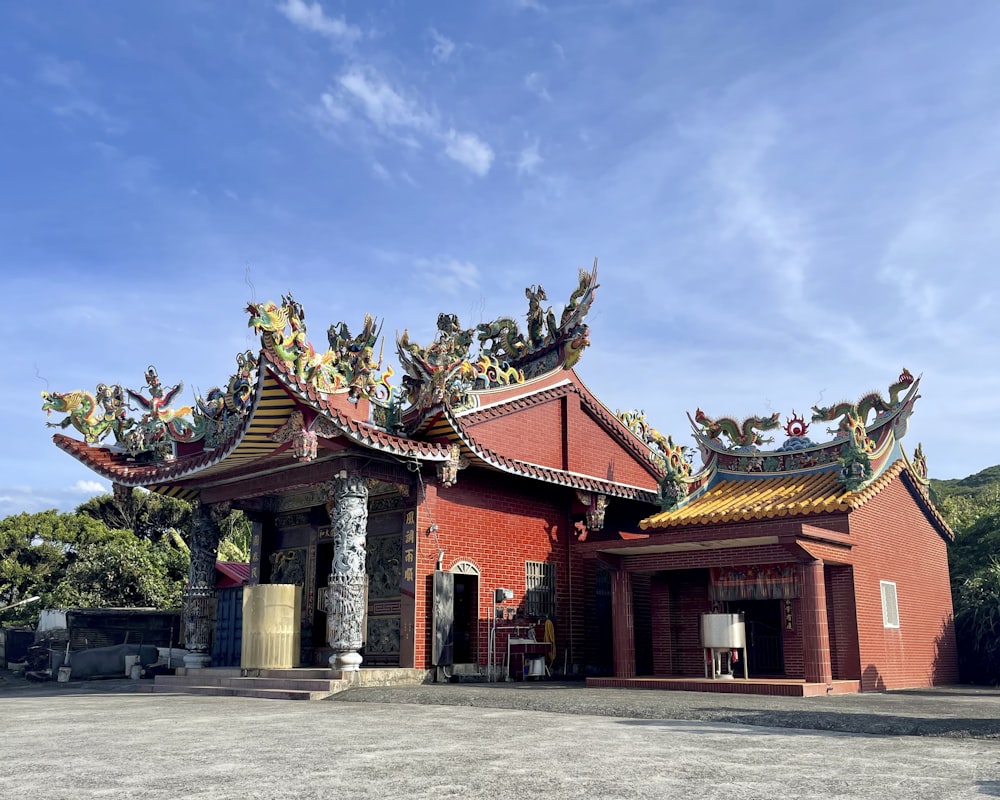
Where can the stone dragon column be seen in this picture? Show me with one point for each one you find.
(345, 604)
(199, 594)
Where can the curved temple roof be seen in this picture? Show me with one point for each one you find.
(291, 403)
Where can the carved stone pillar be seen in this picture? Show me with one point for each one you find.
(345, 609)
(199, 594)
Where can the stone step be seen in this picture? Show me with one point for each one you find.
(320, 673)
(285, 684)
(239, 691)
(307, 684)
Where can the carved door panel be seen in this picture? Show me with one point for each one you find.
(383, 566)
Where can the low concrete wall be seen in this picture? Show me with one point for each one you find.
(394, 676)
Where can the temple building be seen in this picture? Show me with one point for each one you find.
(490, 498)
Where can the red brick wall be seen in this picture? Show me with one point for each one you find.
(678, 599)
(791, 642)
(845, 659)
(642, 623)
(661, 608)
(496, 522)
(531, 434)
(536, 435)
(895, 542)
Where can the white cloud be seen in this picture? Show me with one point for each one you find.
(443, 47)
(310, 17)
(750, 212)
(88, 487)
(336, 110)
(450, 275)
(470, 151)
(529, 159)
(534, 82)
(384, 106)
(69, 81)
(531, 5)
(381, 172)
(402, 119)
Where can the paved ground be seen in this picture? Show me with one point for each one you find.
(103, 739)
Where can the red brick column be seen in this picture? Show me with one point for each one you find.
(815, 631)
(622, 617)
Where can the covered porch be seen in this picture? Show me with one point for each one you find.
(790, 583)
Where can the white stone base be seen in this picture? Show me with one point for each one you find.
(346, 662)
(197, 660)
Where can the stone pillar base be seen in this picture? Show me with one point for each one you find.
(197, 660)
(346, 662)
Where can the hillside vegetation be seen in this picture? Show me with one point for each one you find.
(972, 507)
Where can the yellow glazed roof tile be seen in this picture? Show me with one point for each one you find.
(769, 498)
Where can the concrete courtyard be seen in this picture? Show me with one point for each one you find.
(106, 740)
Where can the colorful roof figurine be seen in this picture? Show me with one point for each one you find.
(292, 402)
(739, 482)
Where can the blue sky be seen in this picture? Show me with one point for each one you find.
(790, 201)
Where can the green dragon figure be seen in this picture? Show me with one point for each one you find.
(270, 320)
(506, 342)
(739, 434)
(435, 373)
(349, 362)
(863, 408)
(94, 417)
(671, 456)
(547, 344)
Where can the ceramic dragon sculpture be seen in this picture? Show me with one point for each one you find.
(433, 371)
(739, 434)
(671, 456)
(562, 342)
(161, 425)
(93, 416)
(348, 364)
(863, 408)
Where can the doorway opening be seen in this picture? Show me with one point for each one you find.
(466, 599)
(765, 649)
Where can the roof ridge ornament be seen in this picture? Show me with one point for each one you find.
(548, 345)
(744, 435)
(864, 406)
(347, 365)
(161, 427)
(445, 372)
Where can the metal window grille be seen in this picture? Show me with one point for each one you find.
(890, 606)
(540, 588)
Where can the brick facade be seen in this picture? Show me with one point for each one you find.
(896, 542)
(498, 523)
(834, 629)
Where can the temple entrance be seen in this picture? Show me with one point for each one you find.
(466, 617)
(466, 610)
(765, 651)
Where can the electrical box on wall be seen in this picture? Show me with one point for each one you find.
(502, 595)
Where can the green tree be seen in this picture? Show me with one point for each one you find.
(125, 571)
(977, 624)
(972, 508)
(77, 560)
(147, 514)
